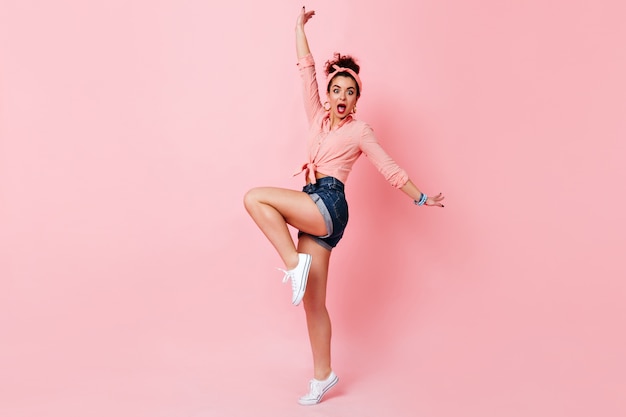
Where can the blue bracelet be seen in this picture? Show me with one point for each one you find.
(422, 200)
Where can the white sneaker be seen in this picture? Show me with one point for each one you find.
(318, 389)
(298, 276)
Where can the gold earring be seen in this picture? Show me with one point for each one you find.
(327, 108)
(354, 110)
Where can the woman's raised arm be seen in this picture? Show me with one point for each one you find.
(302, 46)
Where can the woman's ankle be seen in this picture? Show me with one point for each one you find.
(322, 374)
(292, 262)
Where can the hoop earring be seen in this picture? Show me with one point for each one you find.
(354, 110)
(327, 108)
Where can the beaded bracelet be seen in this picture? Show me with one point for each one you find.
(422, 200)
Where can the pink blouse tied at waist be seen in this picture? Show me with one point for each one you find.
(309, 170)
(334, 151)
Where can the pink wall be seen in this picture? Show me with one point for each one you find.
(133, 283)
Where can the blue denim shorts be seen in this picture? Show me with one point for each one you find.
(328, 194)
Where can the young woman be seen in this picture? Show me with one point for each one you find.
(336, 139)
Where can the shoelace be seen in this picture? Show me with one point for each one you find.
(315, 388)
(288, 276)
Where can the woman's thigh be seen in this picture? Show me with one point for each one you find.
(298, 209)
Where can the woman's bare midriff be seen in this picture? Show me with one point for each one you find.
(317, 176)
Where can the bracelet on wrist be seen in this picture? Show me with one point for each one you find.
(421, 200)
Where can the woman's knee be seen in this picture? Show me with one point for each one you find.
(251, 198)
(314, 305)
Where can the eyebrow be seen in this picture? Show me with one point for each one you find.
(338, 86)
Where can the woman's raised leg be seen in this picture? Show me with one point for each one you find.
(274, 208)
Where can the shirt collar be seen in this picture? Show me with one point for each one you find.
(326, 121)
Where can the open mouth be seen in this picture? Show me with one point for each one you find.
(341, 108)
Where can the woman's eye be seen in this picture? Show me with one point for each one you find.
(350, 92)
(336, 91)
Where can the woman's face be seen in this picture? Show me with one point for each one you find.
(342, 96)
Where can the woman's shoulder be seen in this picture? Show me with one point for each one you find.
(361, 125)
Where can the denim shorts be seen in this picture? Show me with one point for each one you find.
(328, 195)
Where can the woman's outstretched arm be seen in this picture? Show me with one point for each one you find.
(302, 46)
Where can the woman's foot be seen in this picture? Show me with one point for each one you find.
(317, 389)
(298, 276)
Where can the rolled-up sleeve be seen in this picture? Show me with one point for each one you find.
(306, 61)
(310, 93)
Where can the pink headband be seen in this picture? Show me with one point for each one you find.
(339, 69)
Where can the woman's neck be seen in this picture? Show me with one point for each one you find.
(336, 121)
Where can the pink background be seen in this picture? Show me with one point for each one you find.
(132, 282)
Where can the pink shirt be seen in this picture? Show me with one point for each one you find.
(334, 152)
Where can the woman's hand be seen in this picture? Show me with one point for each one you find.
(435, 201)
(416, 195)
(304, 17)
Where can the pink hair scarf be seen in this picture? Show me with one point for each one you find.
(339, 69)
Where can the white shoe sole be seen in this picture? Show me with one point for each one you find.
(302, 289)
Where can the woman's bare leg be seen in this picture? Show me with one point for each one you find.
(317, 318)
(273, 208)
